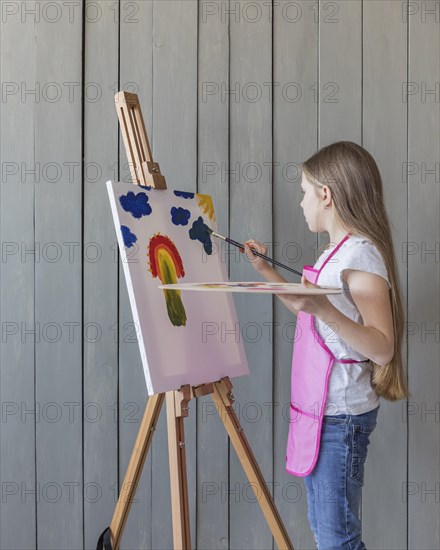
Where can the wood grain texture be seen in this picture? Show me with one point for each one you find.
(58, 283)
(100, 276)
(136, 69)
(250, 191)
(295, 135)
(17, 290)
(421, 490)
(384, 135)
(234, 97)
(213, 164)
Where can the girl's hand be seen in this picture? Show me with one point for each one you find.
(314, 305)
(258, 263)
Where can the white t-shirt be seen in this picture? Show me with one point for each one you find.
(349, 387)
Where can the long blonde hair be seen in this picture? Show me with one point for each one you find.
(356, 185)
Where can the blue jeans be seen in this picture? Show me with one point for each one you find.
(334, 487)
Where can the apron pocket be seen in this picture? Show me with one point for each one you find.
(303, 442)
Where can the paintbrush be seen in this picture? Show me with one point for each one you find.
(271, 260)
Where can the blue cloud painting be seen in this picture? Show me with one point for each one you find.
(136, 204)
(180, 216)
(199, 232)
(184, 194)
(129, 237)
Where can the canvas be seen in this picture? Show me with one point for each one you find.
(163, 239)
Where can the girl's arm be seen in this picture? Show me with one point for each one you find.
(267, 271)
(375, 338)
(370, 293)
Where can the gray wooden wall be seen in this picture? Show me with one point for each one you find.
(72, 386)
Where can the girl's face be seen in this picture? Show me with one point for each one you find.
(312, 205)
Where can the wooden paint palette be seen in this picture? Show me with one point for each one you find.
(255, 287)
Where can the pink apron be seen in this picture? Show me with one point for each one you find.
(312, 362)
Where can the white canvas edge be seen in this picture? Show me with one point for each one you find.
(125, 265)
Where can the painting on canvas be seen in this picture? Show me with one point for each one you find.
(163, 239)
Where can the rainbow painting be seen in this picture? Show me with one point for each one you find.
(166, 264)
(163, 239)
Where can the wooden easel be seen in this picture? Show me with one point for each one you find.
(146, 172)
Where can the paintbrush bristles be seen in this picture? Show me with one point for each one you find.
(216, 234)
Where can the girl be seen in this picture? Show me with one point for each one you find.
(347, 351)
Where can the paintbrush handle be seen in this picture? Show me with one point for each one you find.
(271, 260)
(234, 242)
(276, 262)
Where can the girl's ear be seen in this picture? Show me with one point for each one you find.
(325, 192)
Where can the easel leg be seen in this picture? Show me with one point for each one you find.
(178, 479)
(223, 401)
(134, 470)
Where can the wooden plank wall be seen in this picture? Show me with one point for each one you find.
(423, 352)
(381, 105)
(234, 95)
(17, 288)
(100, 268)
